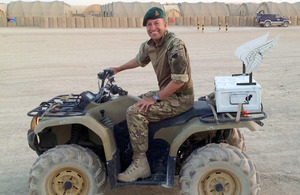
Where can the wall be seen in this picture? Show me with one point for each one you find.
(130, 22)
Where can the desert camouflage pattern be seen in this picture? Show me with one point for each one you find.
(169, 59)
(138, 121)
(179, 61)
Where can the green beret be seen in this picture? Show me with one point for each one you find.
(153, 13)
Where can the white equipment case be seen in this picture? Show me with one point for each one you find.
(230, 91)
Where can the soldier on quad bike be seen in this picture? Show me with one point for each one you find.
(171, 63)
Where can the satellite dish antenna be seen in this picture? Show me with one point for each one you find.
(252, 54)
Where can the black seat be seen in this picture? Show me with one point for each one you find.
(200, 108)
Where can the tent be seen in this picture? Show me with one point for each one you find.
(247, 9)
(283, 9)
(3, 8)
(78, 10)
(92, 10)
(203, 9)
(233, 9)
(244, 9)
(122, 9)
(172, 10)
(37, 8)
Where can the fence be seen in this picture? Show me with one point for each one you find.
(128, 22)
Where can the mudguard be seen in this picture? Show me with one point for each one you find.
(196, 126)
(104, 133)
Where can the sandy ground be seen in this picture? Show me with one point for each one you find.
(38, 64)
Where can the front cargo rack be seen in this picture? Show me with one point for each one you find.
(59, 106)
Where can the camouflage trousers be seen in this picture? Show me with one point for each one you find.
(138, 121)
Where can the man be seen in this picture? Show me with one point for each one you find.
(170, 61)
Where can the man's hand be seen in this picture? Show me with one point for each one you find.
(145, 103)
(115, 69)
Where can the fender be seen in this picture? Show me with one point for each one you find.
(105, 134)
(196, 126)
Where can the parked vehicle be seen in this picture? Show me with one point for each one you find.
(268, 20)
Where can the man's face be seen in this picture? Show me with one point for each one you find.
(156, 28)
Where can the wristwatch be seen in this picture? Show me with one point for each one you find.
(156, 98)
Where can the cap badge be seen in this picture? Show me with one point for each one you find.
(156, 13)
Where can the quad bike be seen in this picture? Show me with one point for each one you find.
(83, 144)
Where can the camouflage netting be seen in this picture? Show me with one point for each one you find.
(37, 8)
(122, 9)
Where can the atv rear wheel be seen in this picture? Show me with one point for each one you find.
(219, 169)
(67, 169)
(236, 139)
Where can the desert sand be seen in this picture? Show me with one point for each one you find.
(38, 64)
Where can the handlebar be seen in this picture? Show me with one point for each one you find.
(103, 94)
(106, 73)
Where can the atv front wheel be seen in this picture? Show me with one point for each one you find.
(219, 169)
(67, 169)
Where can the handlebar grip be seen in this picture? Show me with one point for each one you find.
(109, 71)
(106, 73)
(118, 90)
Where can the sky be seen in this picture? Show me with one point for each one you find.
(102, 2)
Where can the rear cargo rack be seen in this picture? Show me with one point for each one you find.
(234, 117)
(59, 106)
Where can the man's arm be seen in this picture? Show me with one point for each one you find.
(171, 88)
(129, 65)
(166, 92)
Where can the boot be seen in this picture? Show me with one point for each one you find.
(139, 168)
